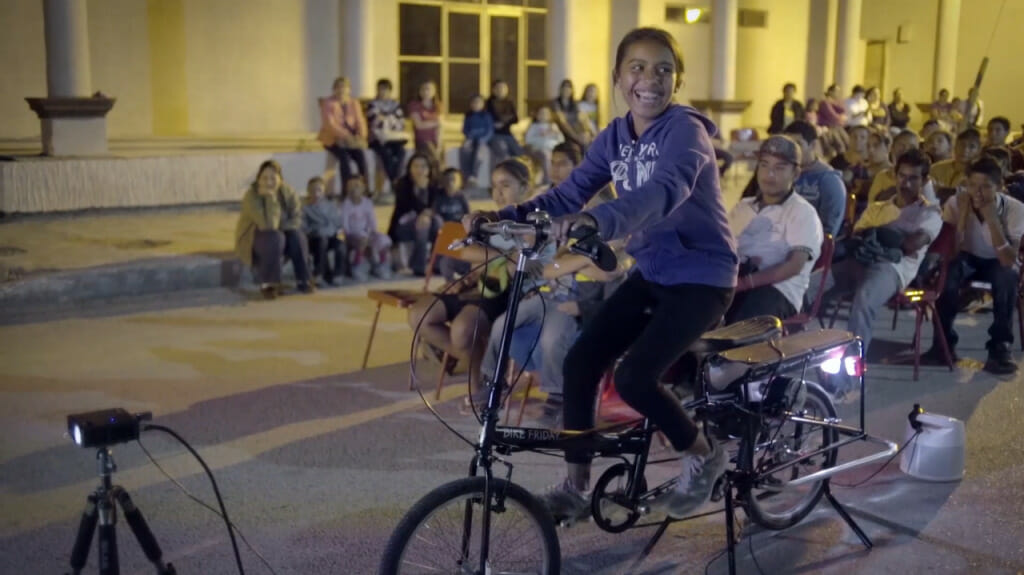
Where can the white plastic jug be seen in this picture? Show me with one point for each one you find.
(938, 452)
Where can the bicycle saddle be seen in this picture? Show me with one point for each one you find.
(739, 334)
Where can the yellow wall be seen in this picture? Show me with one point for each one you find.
(119, 61)
(167, 47)
(590, 37)
(23, 72)
(695, 42)
(769, 57)
(909, 66)
(245, 69)
(1004, 80)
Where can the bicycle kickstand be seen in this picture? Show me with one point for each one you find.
(650, 545)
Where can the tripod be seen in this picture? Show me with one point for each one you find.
(102, 507)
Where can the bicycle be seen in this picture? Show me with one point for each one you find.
(741, 393)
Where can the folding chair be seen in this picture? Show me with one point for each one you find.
(404, 299)
(824, 265)
(923, 300)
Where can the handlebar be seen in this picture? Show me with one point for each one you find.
(588, 241)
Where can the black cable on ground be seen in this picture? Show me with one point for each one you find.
(213, 510)
(213, 482)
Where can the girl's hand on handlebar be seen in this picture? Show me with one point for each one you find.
(469, 220)
(562, 227)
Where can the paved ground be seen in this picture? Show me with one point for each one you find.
(318, 461)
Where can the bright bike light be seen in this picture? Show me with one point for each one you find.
(832, 365)
(854, 366)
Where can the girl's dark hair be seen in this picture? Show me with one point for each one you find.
(518, 168)
(432, 175)
(269, 164)
(831, 88)
(571, 151)
(657, 36)
(588, 87)
(384, 83)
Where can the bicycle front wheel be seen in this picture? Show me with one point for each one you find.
(442, 533)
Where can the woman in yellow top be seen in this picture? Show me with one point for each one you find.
(268, 228)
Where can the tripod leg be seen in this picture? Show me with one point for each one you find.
(83, 541)
(107, 551)
(143, 534)
(846, 517)
(730, 517)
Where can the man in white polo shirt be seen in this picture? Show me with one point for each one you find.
(911, 217)
(778, 235)
(989, 228)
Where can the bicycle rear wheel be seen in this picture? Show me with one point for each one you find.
(780, 440)
(442, 533)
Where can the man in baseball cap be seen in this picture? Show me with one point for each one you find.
(779, 237)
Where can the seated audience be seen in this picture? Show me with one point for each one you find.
(451, 206)
(899, 111)
(343, 130)
(884, 186)
(459, 323)
(566, 116)
(877, 109)
(853, 163)
(1014, 181)
(818, 183)
(589, 109)
(831, 112)
(367, 247)
(948, 174)
(269, 227)
(997, 133)
(412, 227)
(989, 225)
(890, 239)
(427, 120)
(778, 237)
(387, 131)
(321, 221)
(478, 128)
(938, 144)
(785, 111)
(857, 108)
(503, 109)
(930, 127)
(878, 154)
(543, 135)
(942, 110)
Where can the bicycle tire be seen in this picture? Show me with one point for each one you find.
(752, 503)
(470, 489)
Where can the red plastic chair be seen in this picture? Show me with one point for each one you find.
(824, 264)
(923, 300)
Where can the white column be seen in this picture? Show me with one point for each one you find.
(945, 45)
(357, 65)
(559, 33)
(821, 48)
(847, 37)
(724, 22)
(66, 27)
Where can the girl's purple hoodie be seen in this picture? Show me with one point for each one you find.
(670, 201)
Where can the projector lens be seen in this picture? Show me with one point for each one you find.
(76, 433)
